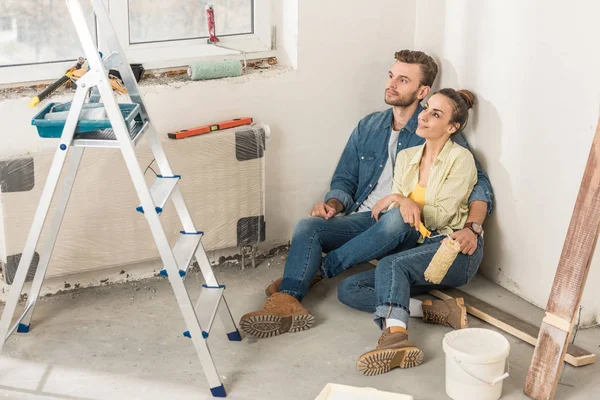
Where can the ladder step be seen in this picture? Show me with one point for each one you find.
(206, 307)
(107, 137)
(160, 191)
(185, 248)
(184, 251)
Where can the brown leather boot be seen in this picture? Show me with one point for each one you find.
(393, 351)
(274, 287)
(282, 313)
(451, 312)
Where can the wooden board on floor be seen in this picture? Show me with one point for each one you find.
(575, 356)
(569, 281)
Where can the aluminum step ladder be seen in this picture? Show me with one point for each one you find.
(188, 248)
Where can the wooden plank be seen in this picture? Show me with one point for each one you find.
(525, 331)
(569, 281)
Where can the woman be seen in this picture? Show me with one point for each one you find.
(432, 184)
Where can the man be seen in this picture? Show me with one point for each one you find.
(362, 177)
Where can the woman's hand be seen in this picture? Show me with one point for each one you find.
(383, 205)
(411, 212)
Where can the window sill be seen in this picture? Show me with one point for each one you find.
(174, 77)
(179, 77)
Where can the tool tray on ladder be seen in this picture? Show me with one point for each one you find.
(53, 128)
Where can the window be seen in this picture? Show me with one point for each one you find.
(34, 38)
(40, 42)
(159, 21)
(36, 35)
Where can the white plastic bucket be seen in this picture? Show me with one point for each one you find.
(475, 361)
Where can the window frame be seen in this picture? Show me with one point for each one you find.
(167, 54)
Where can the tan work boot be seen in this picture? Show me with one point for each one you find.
(451, 312)
(274, 287)
(282, 313)
(393, 351)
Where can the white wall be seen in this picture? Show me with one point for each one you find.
(345, 50)
(535, 68)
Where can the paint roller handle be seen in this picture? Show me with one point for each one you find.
(61, 81)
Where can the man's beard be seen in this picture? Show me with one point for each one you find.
(403, 100)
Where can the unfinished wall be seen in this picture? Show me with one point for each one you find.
(343, 55)
(534, 66)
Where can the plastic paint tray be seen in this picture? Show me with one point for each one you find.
(54, 128)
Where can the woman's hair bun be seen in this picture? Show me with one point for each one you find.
(467, 96)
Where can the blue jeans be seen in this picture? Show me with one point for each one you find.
(348, 240)
(386, 290)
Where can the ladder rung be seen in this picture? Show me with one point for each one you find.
(107, 137)
(185, 248)
(161, 190)
(207, 306)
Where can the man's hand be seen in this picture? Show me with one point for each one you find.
(467, 240)
(383, 205)
(322, 210)
(327, 210)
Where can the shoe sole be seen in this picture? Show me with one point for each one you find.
(381, 361)
(266, 326)
(463, 313)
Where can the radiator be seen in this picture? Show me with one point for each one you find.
(222, 183)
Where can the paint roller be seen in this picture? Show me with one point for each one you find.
(205, 70)
(442, 261)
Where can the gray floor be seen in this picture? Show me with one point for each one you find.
(124, 342)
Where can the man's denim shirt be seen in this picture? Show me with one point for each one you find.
(366, 153)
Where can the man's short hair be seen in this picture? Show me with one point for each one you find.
(429, 68)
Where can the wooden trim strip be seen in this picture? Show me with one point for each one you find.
(525, 331)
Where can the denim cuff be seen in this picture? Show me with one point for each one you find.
(326, 271)
(291, 287)
(481, 194)
(342, 196)
(395, 311)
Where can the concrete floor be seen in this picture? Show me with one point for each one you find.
(124, 341)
